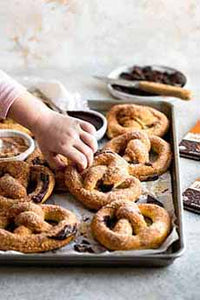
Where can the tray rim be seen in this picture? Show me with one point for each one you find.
(106, 260)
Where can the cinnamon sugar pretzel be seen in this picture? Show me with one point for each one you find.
(135, 147)
(105, 181)
(29, 228)
(18, 181)
(125, 117)
(11, 124)
(124, 225)
(37, 158)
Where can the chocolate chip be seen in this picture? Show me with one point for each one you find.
(152, 200)
(149, 164)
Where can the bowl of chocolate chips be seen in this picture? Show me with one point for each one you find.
(151, 73)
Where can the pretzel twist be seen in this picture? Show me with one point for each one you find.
(106, 180)
(11, 124)
(28, 228)
(125, 117)
(123, 225)
(37, 158)
(135, 147)
(21, 182)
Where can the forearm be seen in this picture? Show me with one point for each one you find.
(27, 110)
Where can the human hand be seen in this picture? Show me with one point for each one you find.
(60, 134)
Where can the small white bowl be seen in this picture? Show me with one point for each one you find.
(26, 137)
(102, 126)
(115, 74)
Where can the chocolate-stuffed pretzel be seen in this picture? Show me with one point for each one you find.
(37, 158)
(106, 180)
(124, 225)
(19, 181)
(28, 228)
(136, 148)
(125, 117)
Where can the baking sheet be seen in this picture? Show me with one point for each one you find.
(159, 189)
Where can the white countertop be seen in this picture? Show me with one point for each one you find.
(178, 281)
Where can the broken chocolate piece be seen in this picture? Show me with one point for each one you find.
(64, 233)
(83, 248)
(191, 197)
(152, 200)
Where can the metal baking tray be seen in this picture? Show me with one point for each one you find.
(153, 260)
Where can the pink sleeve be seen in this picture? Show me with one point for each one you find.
(10, 90)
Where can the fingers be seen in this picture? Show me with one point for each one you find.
(87, 151)
(89, 140)
(54, 160)
(77, 157)
(88, 127)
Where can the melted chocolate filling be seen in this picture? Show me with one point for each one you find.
(38, 161)
(65, 232)
(88, 117)
(110, 222)
(101, 151)
(45, 179)
(105, 188)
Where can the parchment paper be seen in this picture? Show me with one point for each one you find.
(158, 190)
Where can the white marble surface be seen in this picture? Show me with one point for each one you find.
(178, 281)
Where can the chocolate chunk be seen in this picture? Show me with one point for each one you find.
(126, 76)
(152, 200)
(65, 232)
(149, 164)
(83, 248)
(190, 149)
(191, 200)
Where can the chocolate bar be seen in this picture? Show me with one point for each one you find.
(190, 144)
(191, 197)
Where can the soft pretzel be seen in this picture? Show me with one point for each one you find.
(18, 181)
(28, 228)
(37, 158)
(135, 147)
(123, 225)
(126, 117)
(105, 181)
(11, 124)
